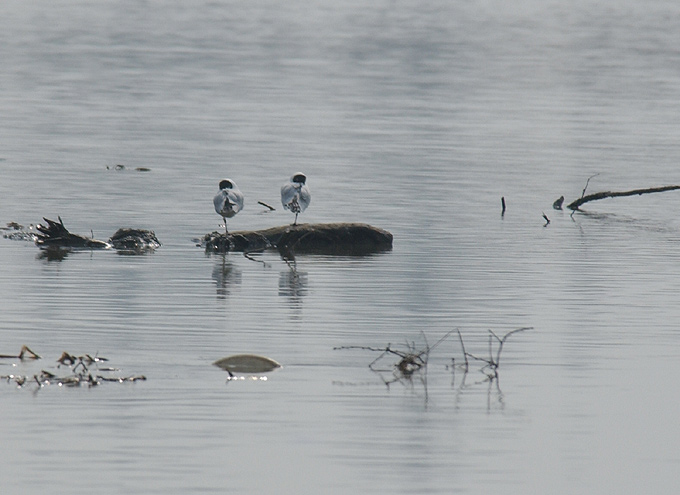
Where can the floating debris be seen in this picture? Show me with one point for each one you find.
(134, 241)
(120, 167)
(83, 370)
(56, 236)
(246, 363)
(67, 358)
(269, 207)
(25, 353)
(17, 232)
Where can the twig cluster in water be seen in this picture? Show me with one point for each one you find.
(492, 363)
(411, 361)
(82, 371)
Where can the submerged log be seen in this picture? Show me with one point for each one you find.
(574, 205)
(320, 238)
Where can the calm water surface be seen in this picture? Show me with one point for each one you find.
(413, 118)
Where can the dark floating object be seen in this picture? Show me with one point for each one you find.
(319, 238)
(269, 207)
(17, 232)
(557, 205)
(246, 363)
(132, 241)
(55, 234)
(25, 353)
(82, 370)
(120, 167)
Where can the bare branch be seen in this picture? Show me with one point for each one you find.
(574, 205)
(465, 355)
(588, 182)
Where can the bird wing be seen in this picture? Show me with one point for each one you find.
(228, 202)
(305, 198)
(218, 201)
(236, 200)
(288, 194)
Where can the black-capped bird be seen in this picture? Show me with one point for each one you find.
(229, 201)
(295, 195)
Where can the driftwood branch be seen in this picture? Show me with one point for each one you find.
(615, 194)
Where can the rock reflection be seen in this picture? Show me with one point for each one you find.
(226, 276)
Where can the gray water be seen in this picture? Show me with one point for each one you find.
(416, 117)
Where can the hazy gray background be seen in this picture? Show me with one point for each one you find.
(412, 116)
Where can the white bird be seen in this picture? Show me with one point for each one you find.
(295, 195)
(229, 201)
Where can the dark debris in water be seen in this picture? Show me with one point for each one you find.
(134, 241)
(56, 241)
(16, 232)
(71, 371)
(119, 167)
(55, 234)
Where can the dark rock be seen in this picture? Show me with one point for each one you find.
(328, 238)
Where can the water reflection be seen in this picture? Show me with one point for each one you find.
(226, 276)
(293, 284)
(53, 254)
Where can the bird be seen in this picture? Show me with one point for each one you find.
(295, 195)
(229, 201)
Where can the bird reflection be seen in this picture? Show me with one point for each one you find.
(293, 284)
(226, 277)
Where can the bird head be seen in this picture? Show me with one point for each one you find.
(299, 178)
(226, 184)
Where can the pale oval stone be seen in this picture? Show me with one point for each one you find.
(247, 363)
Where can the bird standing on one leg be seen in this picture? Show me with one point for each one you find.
(229, 201)
(295, 195)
